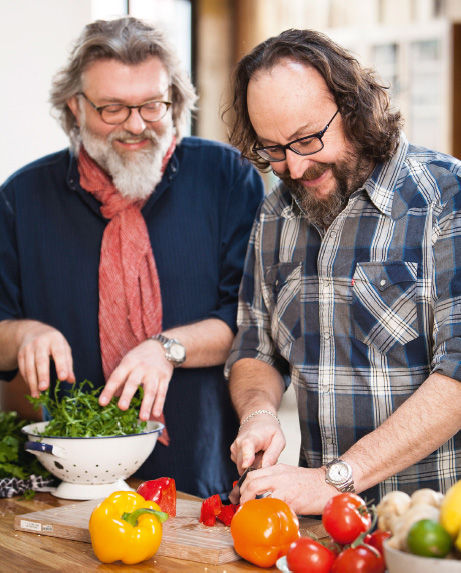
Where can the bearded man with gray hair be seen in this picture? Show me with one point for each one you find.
(121, 256)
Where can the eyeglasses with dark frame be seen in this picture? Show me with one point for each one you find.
(117, 113)
(307, 145)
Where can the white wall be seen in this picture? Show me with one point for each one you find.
(35, 36)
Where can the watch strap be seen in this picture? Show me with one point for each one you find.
(161, 338)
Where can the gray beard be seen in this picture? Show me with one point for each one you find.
(350, 174)
(134, 174)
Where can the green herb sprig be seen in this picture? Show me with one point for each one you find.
(77, 414)
(14, 460)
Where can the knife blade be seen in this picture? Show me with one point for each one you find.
(234, 495)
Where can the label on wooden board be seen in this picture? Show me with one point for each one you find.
(184, 537)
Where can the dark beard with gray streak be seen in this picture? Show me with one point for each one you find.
(350, 174)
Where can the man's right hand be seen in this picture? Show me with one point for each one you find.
(260, 433)
(38, 343)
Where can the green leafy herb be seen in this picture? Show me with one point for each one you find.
(14, 460)
(78, 414)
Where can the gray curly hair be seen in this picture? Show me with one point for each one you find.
(130, 41)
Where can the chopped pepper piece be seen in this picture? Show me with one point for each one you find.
(211, 508)
(227, 513)
(161, 490)
(126, 527)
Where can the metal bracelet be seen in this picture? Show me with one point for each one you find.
(256, 413)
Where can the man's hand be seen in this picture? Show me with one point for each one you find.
(145, 365)
(304, 490)
(260, 433)
(38, 343)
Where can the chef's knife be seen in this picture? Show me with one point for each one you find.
(234, 495)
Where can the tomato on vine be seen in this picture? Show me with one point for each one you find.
(305, 555)
(345, 517)
(377, 538)
(360, 559)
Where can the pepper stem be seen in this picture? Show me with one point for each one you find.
(132, 518)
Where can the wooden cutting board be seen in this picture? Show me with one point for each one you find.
(184, 537)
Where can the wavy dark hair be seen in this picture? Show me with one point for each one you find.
(129, 41)
(369, 123)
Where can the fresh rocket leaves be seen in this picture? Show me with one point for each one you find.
(78, 414)
(14, 460)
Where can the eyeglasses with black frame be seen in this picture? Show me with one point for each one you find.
(307, 145)
(117, 113)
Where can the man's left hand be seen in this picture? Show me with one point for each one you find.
(303, 489)
(145, 365)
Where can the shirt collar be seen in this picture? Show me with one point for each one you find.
(381, 186)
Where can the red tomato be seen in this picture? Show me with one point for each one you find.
(162, 491)
(345, 517)
(360, 559)
(306, 555)
(376, 539)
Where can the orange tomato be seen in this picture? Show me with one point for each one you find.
(263, 529)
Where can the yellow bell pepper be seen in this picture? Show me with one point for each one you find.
(126, 527)
(450, 513)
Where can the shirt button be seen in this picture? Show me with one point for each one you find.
(382, 282)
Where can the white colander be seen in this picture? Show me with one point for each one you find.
(91, 467)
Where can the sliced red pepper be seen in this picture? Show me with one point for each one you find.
(162, 491)
(211, 508)
(227, 513)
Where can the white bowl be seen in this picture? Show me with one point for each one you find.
(402, 562)
(91, 467)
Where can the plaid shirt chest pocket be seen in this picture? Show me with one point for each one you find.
(283, 282)
(384, 310)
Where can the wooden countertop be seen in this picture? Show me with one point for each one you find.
(22, 552)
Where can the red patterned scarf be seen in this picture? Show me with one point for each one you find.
(130, 300)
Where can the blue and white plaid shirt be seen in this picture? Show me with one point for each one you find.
(358, 318)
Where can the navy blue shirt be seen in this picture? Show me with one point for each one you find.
(199, 219)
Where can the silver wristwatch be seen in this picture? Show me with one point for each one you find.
(338, 473)
(174, 350)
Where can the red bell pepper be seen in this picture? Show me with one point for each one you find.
(162, 491)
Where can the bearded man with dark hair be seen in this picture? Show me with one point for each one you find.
(352, 284)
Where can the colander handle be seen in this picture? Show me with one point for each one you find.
(34, 447)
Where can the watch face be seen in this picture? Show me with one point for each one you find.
(177, 351)
(339, 472)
